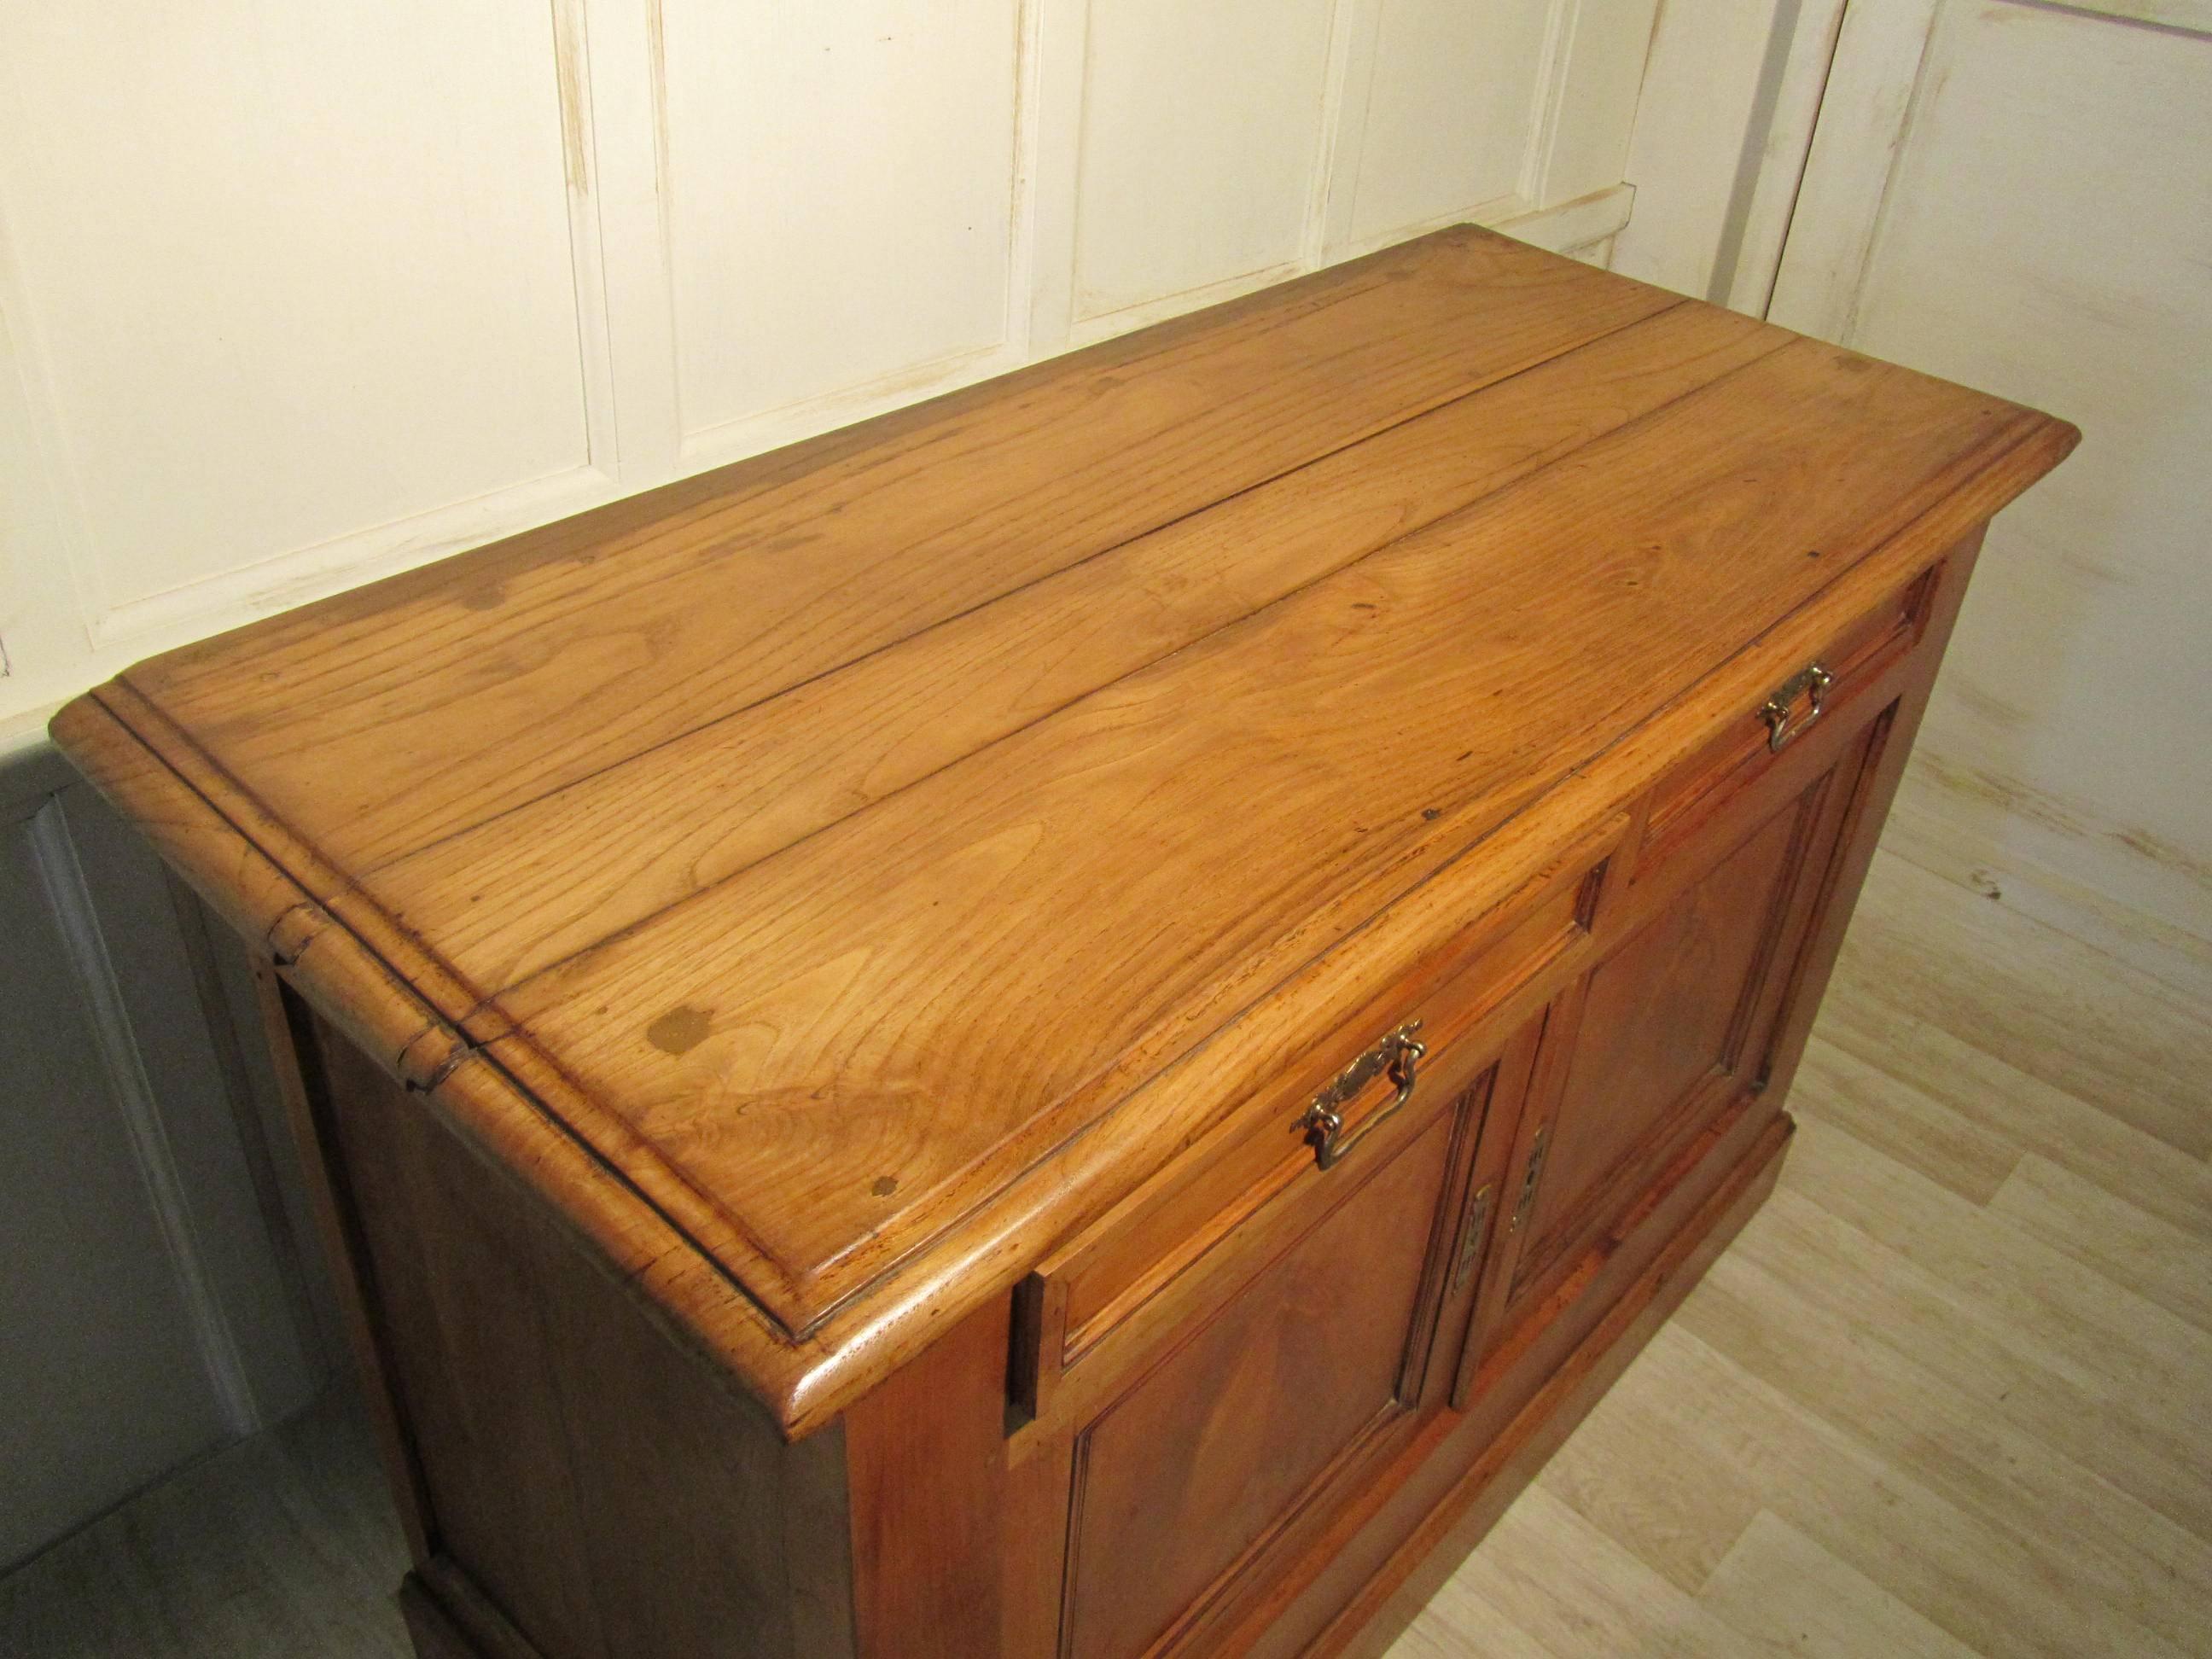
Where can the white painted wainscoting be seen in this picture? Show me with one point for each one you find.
(292, 297)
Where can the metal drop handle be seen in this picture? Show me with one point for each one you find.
(1812, 683)
(1398, 1055)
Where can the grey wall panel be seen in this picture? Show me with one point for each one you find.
(148, 1312)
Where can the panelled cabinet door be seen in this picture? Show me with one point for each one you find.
(1185, 1480)
(1666, 1036)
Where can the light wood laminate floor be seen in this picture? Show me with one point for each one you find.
(1950, 1393)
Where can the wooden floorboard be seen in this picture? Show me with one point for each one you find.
(1950, 1393)
(283, 1546)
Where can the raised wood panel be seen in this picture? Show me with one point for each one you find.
(839, 185)
(1679, 1047)
(1200, 132)
(1189, 1470)
(1663, 1018)
(265, 304)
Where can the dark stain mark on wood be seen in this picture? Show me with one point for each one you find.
(678, 1030)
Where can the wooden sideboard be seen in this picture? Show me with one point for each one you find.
(1082, 1020)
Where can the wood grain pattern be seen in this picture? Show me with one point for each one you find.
(1226, 796)
(487, 680)
(926, 1475)
(575, 866)
(830, 882)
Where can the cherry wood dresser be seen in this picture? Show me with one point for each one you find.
(1082, 1020)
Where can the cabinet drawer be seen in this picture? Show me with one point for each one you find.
(1387, 1079)
(1738, 757)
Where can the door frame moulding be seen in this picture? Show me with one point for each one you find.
(1873, 91)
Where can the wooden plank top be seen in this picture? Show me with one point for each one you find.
(796, 872)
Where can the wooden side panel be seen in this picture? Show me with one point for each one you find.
(604, 1492)
(1864, 814)
(928, 1477)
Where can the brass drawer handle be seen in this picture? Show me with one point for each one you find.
(1811, 683)
(1397, 1055)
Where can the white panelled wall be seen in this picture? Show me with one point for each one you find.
(296, 296)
